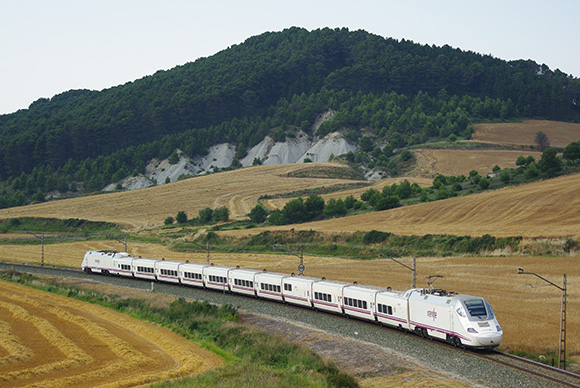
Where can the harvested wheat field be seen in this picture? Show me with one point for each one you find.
(51, 341)
(549, 208)
(239, 190)
(523, 134)
(430, 163)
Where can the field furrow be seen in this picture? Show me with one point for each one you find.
(67, 343)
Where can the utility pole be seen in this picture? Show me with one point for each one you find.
(301, 266)
(413, 269)
(121, 241)
(41, 237)
(562, 346)
(200, 246)
(207, 250)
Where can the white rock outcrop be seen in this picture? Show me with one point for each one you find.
(293, 150)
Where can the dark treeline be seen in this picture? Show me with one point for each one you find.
(271, 84)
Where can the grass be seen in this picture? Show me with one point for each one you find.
(254, 358)
(54, 225)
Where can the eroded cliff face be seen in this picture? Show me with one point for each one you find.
(268, 152)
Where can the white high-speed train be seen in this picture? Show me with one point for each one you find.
(462, 320)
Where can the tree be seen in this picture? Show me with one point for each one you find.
(572, 152)
(314, 206)
(221, 214)
(205, 215)
(532, 171)
(550, 164)
(181, 217)
(276, 217)
(173, 158)
(294, 211)
(169, 220)
(335, 208)
(404, 189)
(388, 202)
(521, 161)
(258, 214)
(542, 141)
(504, 176)
(484, 183)
(366, 144)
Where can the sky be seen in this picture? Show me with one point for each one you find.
(49, 47)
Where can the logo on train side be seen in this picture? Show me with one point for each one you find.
(432, 314)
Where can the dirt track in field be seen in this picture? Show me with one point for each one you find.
(51, 341)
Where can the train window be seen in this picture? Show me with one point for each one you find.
(287, 287)
(278, 288)
(365, 304)
(476, 308)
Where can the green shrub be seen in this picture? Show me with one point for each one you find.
(375, 236)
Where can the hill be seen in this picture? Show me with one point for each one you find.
(238, 190)
(379, 93)
(549, 208)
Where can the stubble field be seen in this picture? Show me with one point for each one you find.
(48, 340)
(523, 134)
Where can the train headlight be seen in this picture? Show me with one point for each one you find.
(471, 330)
(498, 328)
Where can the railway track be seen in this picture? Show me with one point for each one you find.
(553, 377)
(557, 375)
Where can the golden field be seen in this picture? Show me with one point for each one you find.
(47, 340)
(523, 134)
(458, 162)
(549, 208)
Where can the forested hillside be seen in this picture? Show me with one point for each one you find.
(384, 91)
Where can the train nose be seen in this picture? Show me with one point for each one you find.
(492, 339)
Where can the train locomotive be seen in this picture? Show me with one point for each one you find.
(462, 320)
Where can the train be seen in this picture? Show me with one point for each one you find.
(462, 320)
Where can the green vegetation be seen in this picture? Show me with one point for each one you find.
(53, 225)
(402, 94)
(549, 357)
(253, 357)
(359, 245)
